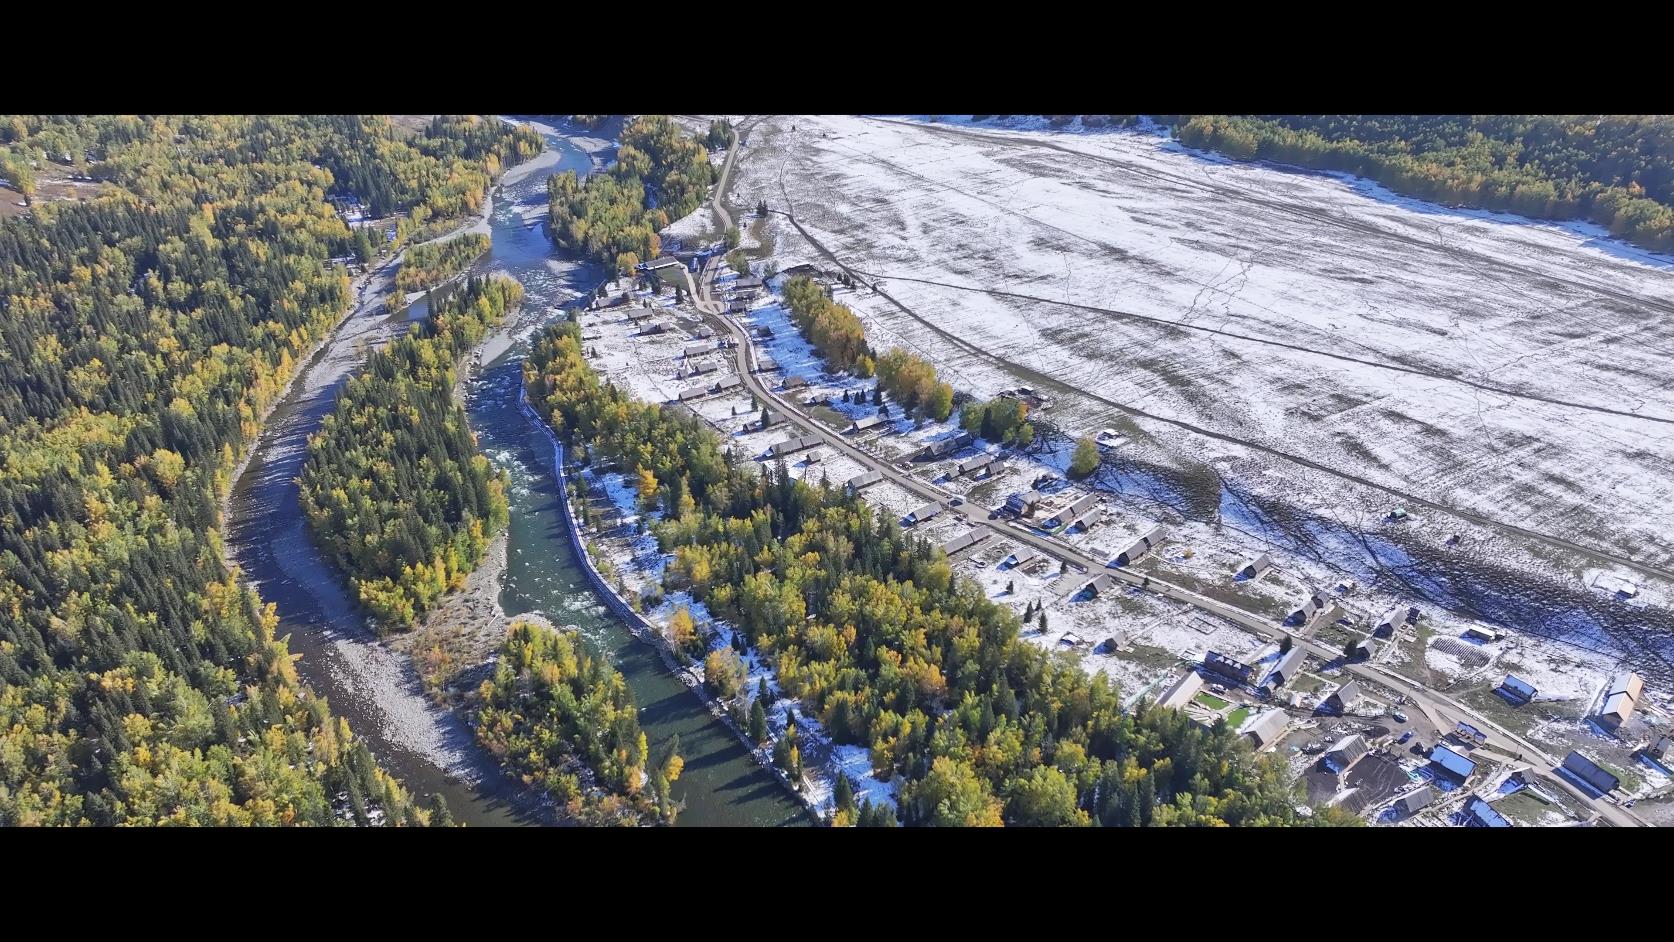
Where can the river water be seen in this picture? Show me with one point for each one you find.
(431, 750)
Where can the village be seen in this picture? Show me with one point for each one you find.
(1401, 713)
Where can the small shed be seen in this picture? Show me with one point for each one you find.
(925, 512)
(1255, 566)
(1023, 556)
(1138, 548)
(1517, 690)
(1023, 503)
(1480, 814)
(1412, 801)
(1098, 585)
(1343, 697)
(1466, 733)
(1345, 753)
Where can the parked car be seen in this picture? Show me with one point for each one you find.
(1400, 717)
(956, 501)
(1405, 736)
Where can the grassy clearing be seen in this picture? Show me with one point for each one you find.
(1211, 701)
(1237, 717)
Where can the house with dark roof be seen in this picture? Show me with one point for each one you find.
(1023, 503)
(866, 423)
(944, 446)
(976, 463)
(1219, 663)
(1591, 772)
(1023, 556)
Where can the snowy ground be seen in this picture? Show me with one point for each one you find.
(1129, 223)
(1483, 315)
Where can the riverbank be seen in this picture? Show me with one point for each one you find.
(652, 635)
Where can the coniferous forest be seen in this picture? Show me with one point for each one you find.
(428, 264)
(394, 488)
(145, 331)
(1615, 170)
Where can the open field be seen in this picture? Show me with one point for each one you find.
(1293, 355)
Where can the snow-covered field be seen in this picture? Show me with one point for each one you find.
(1518, 371)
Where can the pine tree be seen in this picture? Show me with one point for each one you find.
(440, 815)
(843, 796)
(758, 722)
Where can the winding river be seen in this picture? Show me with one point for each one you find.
(431, 750)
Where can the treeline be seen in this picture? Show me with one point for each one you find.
(613, 217)
(145, 332)
(898, 655)
(591, 122)
(841, 339)
(565, 719)
(394, 489)
(430, 263)
(1003, 420)
(1615, 170)
(443, 173)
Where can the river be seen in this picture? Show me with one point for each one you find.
(431, 750)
